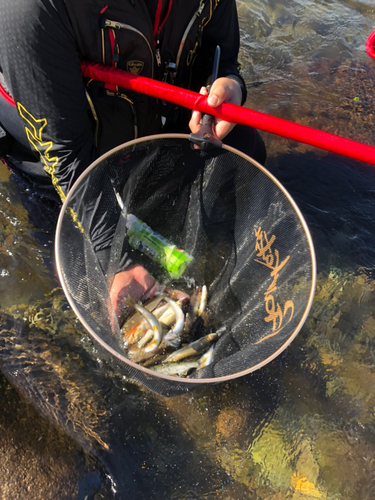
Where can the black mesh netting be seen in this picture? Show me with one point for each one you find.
(250, 245)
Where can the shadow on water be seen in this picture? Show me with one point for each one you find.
(337, 198)
(38, 460)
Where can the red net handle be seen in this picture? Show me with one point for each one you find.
(230, 112)
(370, 45)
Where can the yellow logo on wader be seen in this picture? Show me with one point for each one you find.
(135, 67)
(34, 132)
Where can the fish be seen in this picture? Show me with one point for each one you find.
(160, 326)
(136, 326)
(172, 337)
(156, 359)
(175, 311)
(203, 301)
(140, 355)
(161, 311)
(147, 337)
(134, 330)
(192, 349)
(191, 313)
(166, 315)
(152, 320)
(195, 300)
(179, 369)
(184, 368)
(153, 303)
(207, 357)
(195, 323)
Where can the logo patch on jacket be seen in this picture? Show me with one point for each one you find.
(135, 67)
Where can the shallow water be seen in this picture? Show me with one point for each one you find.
(300, 428)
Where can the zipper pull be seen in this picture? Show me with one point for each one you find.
(158, 57)
(157, 52)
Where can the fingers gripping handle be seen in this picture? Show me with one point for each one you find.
(206, 138)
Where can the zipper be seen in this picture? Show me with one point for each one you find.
(188, 28)
(115, 25)
(158, 26)
(131, 103)
(157, 52)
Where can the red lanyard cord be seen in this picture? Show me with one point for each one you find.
(157, 25)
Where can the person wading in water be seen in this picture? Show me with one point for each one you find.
(58, 122)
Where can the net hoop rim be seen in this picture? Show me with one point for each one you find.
(123, 359)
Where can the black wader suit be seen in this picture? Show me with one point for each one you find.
(60, 122)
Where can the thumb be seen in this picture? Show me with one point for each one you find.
(213, 100)
(217, 94)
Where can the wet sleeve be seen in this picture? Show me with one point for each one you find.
(40, 63)
(223, 30)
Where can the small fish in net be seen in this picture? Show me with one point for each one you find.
(169, 336)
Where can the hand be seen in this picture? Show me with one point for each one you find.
(134, 281)
(222, 90)
(140, 285)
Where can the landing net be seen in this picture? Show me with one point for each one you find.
(250, 243)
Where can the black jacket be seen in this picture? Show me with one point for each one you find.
(61, 123)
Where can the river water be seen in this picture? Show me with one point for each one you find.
(302, 427)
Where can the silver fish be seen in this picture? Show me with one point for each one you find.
(203, 301)
(153, 322)
(195, 301)
(179, 369)
(136, 326)
(156, 359)
(173, 335)
(196, 317)
(184, 368)
(161, 311)
(134, 353)
(192, 349)
(166, 315)
(207, 357)
(147, 337)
